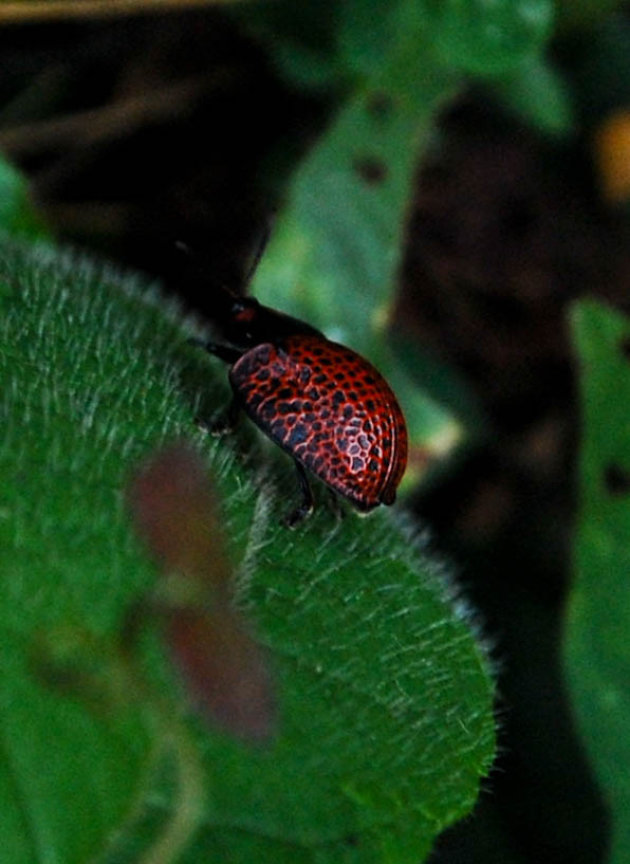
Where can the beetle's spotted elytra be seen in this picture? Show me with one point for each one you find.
(323, 403)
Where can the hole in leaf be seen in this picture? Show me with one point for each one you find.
(380, 105)
(617, 480)
(373, 171)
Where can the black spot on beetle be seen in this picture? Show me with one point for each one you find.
(299, 434)
(268, 410)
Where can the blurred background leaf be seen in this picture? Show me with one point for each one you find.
(597, 654)
(489, 38)
(17, 212)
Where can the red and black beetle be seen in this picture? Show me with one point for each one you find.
(327, 406)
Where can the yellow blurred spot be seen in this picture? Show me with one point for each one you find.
(434, 449)
(612, 157)
(381, 318)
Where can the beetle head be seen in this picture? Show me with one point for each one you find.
(244, 323)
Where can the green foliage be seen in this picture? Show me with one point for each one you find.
(385, 700)
(537, 93)
(17, 213)
(336, 43)
(484, 38)
(597, 650)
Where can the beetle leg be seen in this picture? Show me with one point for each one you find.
(224, 352)
(223, 424)
(293, 519)
(335, 505)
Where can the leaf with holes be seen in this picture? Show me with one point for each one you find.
(597, 649)
(337, 247)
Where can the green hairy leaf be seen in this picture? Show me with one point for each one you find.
(384, 698)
